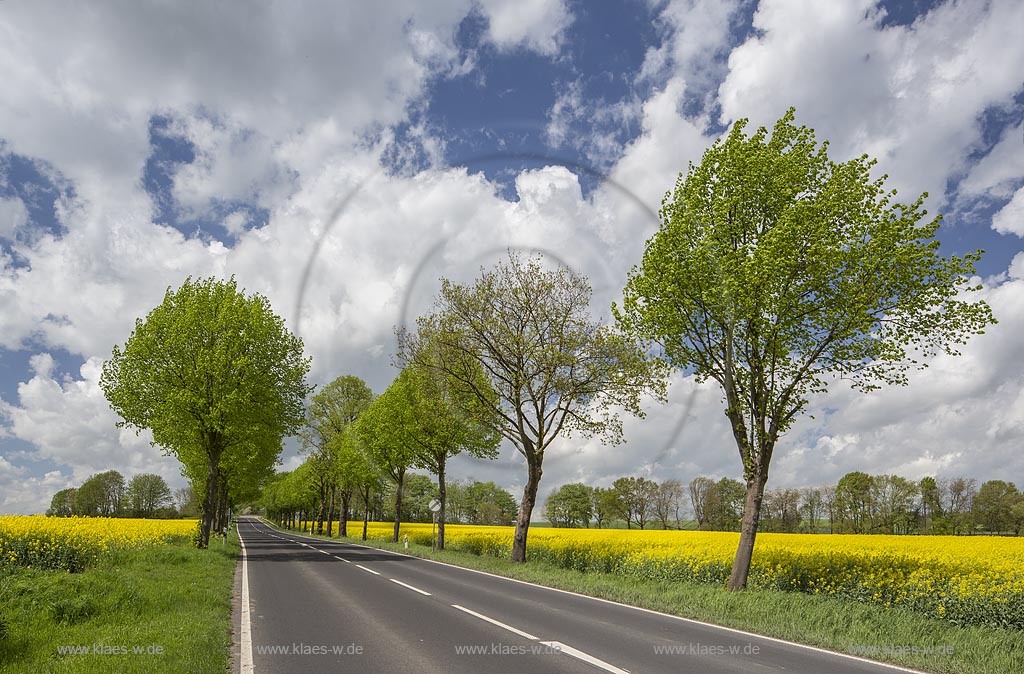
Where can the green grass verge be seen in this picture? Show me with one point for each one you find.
(173, 602)
(826, 622)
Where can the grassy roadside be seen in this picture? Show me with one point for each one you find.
(172, 602)
(835, 624)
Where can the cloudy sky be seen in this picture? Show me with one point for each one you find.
(340, 157)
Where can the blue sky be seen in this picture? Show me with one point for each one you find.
(377, 148)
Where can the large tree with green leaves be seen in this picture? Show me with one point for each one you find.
(554, 368)
(101, 495)
(218, 379)
(386, 436)
(445, 419)
(636, 499)
(146, 494)
(63, 503)
(328, 417)
(776, 271)
(994, 506)
(571, 505)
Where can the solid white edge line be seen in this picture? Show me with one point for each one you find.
(245, 658)
(414, 589)
(848, 656)
(585, 657)
(376, 573)
(495, 622)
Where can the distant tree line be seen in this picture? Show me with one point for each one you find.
(107, 494)
(859, 503)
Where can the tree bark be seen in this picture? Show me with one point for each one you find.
(330, 511)
(748, 531)
(398, 505)
(209, 500)
(220, 517)
(526, 509)
(320, 510)
(346, 495)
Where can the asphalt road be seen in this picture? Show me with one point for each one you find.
(329, 606)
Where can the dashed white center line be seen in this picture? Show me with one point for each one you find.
(347, 561)
(585, 657)
(414, 589)
(366, 569)
(495, 622)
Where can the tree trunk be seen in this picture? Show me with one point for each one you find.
(220, 522)
(526, 510)
(442, 497)
(398, 505)
(748, 531)
(366, 516)
(330, 511)
(343, 515)
(209, 501)
(320, 511)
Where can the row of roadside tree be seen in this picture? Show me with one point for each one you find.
(775, 272)
(292, 500)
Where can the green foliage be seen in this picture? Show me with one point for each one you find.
(529, 329)
(146, 494)
(326, 432)
(385, 434)
(480, 503)
(776, 269)
(419, 490)
(570, 505)
(635, 499)
(100, 495)
(717, 506)
(63, 503)
(444, 420)
(994, 506)
(854, 501)
(606, 505)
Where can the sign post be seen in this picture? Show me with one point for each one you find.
(435, 507)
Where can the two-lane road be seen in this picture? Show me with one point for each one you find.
(331, 606)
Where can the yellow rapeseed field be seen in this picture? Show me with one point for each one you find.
(962, 579)
(73, 543)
